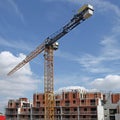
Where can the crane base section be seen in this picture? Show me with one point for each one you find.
(49, 103)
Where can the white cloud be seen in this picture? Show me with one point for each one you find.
(74, 79)
(93, 64)
(14, 44)
(19, 83)
(75, 88)
(16, 9)
(9, 61)
(108, 53)
(109, 83)
(72, 88)
(106, 84)
(110, 50)
(11, 7)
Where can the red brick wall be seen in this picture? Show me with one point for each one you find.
(115, 98)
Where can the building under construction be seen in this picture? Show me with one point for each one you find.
(69, 105)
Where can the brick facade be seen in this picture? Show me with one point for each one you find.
(69, 105)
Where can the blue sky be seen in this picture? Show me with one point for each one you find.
(88, 56)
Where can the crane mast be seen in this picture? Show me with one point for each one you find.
(48, 46)
(48, 83)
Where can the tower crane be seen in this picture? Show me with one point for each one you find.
(48, 46)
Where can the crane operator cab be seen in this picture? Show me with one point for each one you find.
(55, 45)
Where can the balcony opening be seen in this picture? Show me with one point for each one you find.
(67, 103)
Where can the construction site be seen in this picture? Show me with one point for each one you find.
(69, 105)
(48, 46)
(75, 104)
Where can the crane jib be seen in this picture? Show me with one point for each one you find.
(84, 13)
(76, 20)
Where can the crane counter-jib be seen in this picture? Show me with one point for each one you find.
(87, 6)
